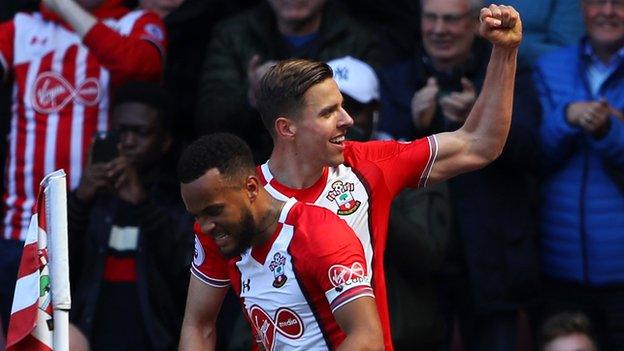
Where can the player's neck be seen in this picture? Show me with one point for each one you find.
(290, 170)
(269, 221)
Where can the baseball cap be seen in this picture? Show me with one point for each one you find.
(355, 78)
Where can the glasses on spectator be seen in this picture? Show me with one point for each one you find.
(618, 4)
(449, 18)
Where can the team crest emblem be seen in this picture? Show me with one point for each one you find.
(342, 194)
(277, 267)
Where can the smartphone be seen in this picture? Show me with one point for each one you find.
(104, 147)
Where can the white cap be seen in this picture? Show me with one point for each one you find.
(355, 78)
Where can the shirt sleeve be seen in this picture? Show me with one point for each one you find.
(7, 34)
(339, 264)
(402, 164)
(209, 265)
(137, 56)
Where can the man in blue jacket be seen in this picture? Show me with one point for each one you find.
(582, 137)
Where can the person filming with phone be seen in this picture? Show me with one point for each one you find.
(491, 248)
(128, 231)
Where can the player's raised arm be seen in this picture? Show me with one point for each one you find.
(483, 135)
(202, 308)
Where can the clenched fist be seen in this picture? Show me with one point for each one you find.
(501, 25)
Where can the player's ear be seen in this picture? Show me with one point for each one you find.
(252, 187)
(285, 127)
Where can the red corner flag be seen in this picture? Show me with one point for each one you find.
(31, 327)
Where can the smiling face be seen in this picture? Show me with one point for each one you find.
(604, 21)
(448, 31)
(222, 210)
(321, 125)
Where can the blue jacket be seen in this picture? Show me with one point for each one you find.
(582, 210)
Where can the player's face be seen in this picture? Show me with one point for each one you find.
(574, 342)
(295, 11)
(448, 30)
(322, 125)
(141, 136)
(604, 20)
(222, 211)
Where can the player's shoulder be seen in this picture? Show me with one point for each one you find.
(315, 224)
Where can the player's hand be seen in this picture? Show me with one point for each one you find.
(501, 25)
(423, 105)
(255, 72)
(457, 105)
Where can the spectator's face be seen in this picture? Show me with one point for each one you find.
(222, 210)
(296, 11)
(161, 7)
(321, 126)
(605, 23)
(141, 136)
(574, 342)
(448, 31)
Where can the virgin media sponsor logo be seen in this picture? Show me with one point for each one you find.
(342, 276)
(286, 322)
(51, 92)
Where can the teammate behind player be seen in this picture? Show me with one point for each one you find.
(299, 290)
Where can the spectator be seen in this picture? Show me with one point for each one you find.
(129, 234)
(582, 141)
(189, 24)
(547, 25)
(433, 93)
(566, 332)
(242, 49)
(64, 60)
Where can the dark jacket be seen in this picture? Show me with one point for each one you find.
(493, 207)
(583, 207)
(222, 100)
(165, 248)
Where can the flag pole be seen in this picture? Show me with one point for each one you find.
(55, 194)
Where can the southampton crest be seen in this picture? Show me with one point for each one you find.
(342, 194)
(277, 267)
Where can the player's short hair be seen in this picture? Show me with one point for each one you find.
(564, 324)
(226, 152)
(150, 94)
(283, 86)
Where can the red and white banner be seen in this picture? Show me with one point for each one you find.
(32, 326)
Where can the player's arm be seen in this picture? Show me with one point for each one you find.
(202, 308)
(483, 135)
(360, 321)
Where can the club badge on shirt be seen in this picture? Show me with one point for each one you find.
(342, 194)
(277, 267)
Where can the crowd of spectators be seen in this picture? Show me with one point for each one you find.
(538, 232)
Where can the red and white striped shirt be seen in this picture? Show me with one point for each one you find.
(61, 93)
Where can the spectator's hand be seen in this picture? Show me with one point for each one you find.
(423, 104)
(501, 25)
(94, 177)
(457, 105)
(255, 72)
(592, 116)
(126, 181)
